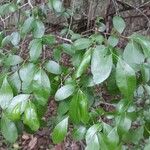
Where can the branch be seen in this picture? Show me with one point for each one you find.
(64, 39)
(30, 4)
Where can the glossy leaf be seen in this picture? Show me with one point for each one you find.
(39, 29)
(48, 39)
(56, 5)
(15, 38)
(41, 86)
(132, 55)
(125, 78)
(143, 42)
(13, 60)
(6, 40)
(123, 123)
(82, 43)
(17, 106)
(15, 82)
(113, 41)
(6, 94)
(79, 133)
(78, 110)
(64, 92)
(119, 24)
(92, 140)
(84, 63)
(30, 117)
(113, 136)
(101, 64)
(35, 49)
(60, 131)
(53, 67)
(27, 26)
(8, 129)
(27, 72)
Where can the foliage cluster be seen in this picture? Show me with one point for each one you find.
(97, 61)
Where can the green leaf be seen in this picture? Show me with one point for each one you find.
(134, 135)
(101, 64)
(41, 86)
(27, 26)
(147, 146)
(113, 41)
(82, 43)
(78, 110)
(63, 108)
(84, 63)
(113, 136)
(79, 133)
(30, 117)
(4, 9)
(35, 49)
(92, 140)
(60, 131)
(124, 123)
(15, 38)
(64, 92)
(68, 48)
(98, 38)
(76, 59)
(48, 39)
(39, 29)
(56, 5)
(7, 8)
(15, 82)
(132, 55)
(26, 75)
(53, 67)
(145, 72)
(125, 78)
(27, 72)
(6, 94)
(13, 60)
(119, 24)
(6, 40)
(143, 42)
(8, 129)
(17, 106)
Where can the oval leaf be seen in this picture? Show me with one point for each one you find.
(39, 29)
(101, 64)
(53, 67)
(119, 24)
(8, 129)
(17, 106)
(82, 43)
(6, 94)
(92, 137)
(30, 117)
(27, 26)
(133, 56)
(125, 78)
(35, 49)
(41, 86)
(84, 63)
(60, 131)
(64, 92)
(78, 110)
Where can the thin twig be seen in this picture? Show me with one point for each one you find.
(64, 39)
(3, 21)
(71, 19)
(30, 4)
